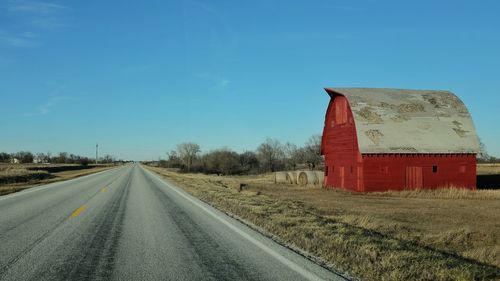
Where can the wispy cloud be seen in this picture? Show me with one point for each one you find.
(202, 6)
(218, 82)
(39, 14)
(32, 16)
(222, 82)
(47, 107)
(24, 40)
(35, 7)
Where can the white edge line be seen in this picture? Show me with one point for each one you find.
(292, 265)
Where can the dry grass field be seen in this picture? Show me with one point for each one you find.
(16, 177)
(444, 234)
(488, 169)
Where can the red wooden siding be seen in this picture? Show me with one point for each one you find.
(340, 147)
(394, 171)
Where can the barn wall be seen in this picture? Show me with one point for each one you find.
(397, 171)
(343, 162)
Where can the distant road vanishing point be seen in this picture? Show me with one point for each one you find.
(128, 224)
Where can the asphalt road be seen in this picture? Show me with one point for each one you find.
(128, 224)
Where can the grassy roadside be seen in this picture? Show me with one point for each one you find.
(372, 236)
(14, 178)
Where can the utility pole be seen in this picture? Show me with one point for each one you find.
(96, 154)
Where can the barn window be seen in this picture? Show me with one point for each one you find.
(352, 170)
(340, 111)
(326, 171)
(332, 124)
(434, 169)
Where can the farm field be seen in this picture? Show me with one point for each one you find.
(16, 177)
(412, 235)
(488, 169)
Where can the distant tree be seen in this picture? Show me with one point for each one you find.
(163, 163)
(222, 161)
(249, 162)
(108, 159)
(61, 158)
(173, 159)
(24, 156)
(84, 161)
(483, 155)
(4, 157)
(292, 156)
(312, 151)
(187, 153)
(40, 157)
(270, 154)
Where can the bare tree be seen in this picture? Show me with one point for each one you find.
(291, 155)
(62, 157)
(108, 159)
(312, 151)
(24, 156)
(173, 159)
(222, 161)
(483, 155)
(41, 157)
(4, 157)
(270, 153)
(187, 153)
(249, 162)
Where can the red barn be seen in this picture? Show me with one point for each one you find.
(390, 139)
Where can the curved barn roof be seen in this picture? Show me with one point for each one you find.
(410, 121)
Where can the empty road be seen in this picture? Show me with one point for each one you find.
(128, 224)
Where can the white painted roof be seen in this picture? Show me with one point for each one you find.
(410, 121)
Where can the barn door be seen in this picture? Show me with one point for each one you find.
(359, 179)
(414, 178)
(342, 177)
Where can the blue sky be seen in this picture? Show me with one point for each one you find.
(138, 78)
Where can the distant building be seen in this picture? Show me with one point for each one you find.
(390, 139)
(14, 160)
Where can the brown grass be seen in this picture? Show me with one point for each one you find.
(488, 169)
(443, 193)
(16, 177)
(434, 235)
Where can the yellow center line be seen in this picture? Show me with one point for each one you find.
(104, 189)
(78, 211)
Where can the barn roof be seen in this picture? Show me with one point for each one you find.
(410, 121)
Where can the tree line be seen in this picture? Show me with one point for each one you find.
(271, 155)
(483, 156)
(59, 158)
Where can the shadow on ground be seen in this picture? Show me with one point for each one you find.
(488, 181)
